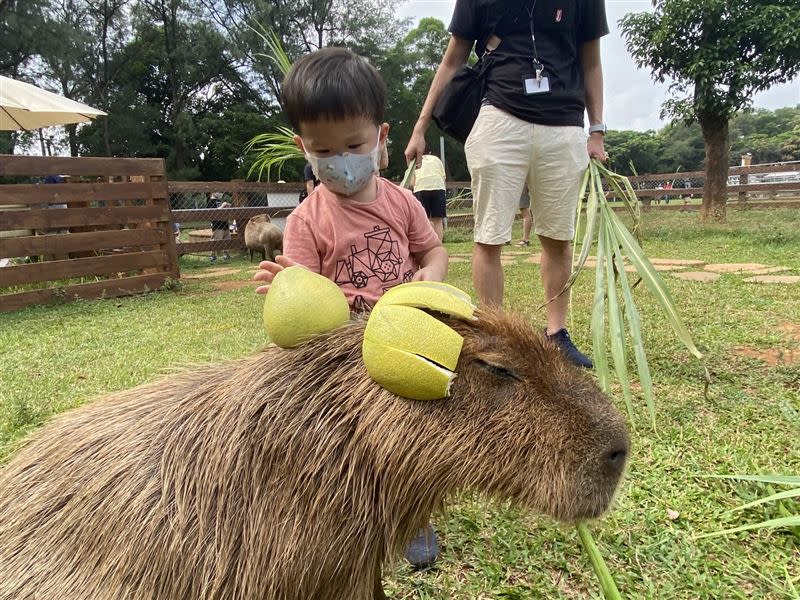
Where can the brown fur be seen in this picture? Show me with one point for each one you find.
(290, 475)
(261, 235)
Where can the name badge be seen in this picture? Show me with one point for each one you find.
(534, 85)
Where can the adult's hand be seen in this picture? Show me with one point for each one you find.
(596, 147)
(415, 148)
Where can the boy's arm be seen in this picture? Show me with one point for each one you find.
(433, 265)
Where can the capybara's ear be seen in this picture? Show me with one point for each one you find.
(410, 352)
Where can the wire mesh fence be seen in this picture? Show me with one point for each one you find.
(212, 218)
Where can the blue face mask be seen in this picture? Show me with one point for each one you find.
(347, 173)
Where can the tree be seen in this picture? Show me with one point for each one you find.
(718, 54)
(640, 149)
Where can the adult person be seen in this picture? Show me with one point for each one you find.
(543, 71)
(527, 217)
(430, 190)
(220, 229)
(309, 180)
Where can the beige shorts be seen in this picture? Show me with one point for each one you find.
(503, 152)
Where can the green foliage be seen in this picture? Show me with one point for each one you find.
(716, 53)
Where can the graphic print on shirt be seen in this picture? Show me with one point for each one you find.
(381, 259)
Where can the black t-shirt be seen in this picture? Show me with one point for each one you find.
(560, 27)
(308, 174)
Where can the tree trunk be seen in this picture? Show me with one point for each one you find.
(72, 134)
(715, 189)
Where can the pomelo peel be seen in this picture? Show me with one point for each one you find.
(302, 304)
(408, 351)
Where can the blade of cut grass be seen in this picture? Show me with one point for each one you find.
(653, 282)
(793, 521)
(793, 493)
(599, 319)
(635, 328)
(777, 479)
(586, 244)
(790, 585)
(276, 53)
(616, 330)
(272, 151)
(409, 173)
(610, 591)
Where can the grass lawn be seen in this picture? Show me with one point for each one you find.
(58, 357)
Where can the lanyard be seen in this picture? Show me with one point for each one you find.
(537, 64)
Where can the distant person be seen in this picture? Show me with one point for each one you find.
(430, 190)
(310, 181)
(220, 230)
(527, 217)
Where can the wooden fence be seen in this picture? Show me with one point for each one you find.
(745, 184)
(106, 232)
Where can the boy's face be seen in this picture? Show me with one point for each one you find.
(356, 135)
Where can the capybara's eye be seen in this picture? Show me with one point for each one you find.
(498, 370)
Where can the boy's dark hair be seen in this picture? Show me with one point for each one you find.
(332, 83)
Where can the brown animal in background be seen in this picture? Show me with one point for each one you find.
(263, 236)
(290, 475)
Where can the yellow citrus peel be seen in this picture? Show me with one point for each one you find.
(302, 304)
(409, 352)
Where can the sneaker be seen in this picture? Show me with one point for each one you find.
(423, 550)
(212, 259)
(568, 349)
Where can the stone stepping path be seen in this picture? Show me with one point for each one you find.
(701, 276)
(735, 267)
(756, 272)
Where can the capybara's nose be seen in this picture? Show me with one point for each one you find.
(614, 459)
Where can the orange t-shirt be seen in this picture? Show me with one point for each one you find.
(365, 247)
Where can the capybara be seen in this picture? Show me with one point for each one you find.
(291, 475)
(263, 236)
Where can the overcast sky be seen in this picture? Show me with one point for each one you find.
(632, 100)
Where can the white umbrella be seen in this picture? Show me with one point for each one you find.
(25, 106)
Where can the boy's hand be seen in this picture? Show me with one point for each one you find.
(268, 269)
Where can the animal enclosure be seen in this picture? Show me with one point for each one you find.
(101, 230)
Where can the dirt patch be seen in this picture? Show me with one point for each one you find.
(791, 330)
(735, 267)
(785, 279)
(772, 356)
(536, 259)
(227, 286)
(701, 276)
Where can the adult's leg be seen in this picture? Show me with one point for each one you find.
(560, 160)
(555, 268)
(527, 223)
(437, 210)
(438, 226)
(487, 273)
(498, 153)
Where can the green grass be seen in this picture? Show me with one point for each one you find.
(57, 357)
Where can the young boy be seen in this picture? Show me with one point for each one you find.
(359, 230)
